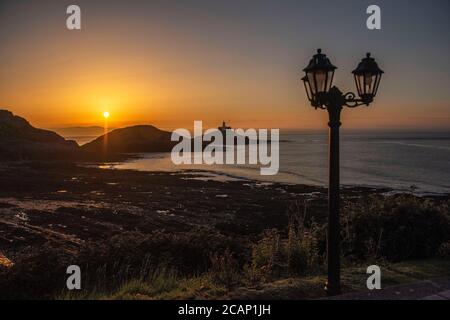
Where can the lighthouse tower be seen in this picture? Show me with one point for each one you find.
(224, 128)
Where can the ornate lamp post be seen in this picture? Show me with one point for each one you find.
(318, 81)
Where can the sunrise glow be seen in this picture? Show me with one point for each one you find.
(172, 76)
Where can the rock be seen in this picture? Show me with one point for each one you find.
(5, 262)
(19, 140)
(136, 139)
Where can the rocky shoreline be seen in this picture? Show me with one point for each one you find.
(66, 204)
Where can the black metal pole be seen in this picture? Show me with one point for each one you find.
(333, 286)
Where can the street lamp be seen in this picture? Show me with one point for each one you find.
(367, 78)
(318, 81)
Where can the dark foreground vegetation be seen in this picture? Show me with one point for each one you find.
(161, 236)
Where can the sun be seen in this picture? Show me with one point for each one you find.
(106, 114)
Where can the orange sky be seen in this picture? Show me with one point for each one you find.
(170, 74)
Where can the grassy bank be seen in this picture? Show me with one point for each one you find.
(166, 285)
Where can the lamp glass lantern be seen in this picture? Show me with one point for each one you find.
(307, 88)
(319, 76)
(367, 78)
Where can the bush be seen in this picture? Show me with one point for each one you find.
(188, 252)
(109, 265)
(395, 228)
(269, 255)
(444, 250)
(35, 275)
(224, 269)
(275, 257)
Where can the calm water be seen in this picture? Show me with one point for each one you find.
(419, 162)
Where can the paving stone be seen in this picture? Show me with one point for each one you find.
(445, 294)
(434, 297)
(436, 289)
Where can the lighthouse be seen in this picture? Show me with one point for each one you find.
(224, 128)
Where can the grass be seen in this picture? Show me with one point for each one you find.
(398, 273)
(165, 285)
(353, 280)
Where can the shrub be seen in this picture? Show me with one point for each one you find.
(396, 228)
(275, 257)
(35, 275)
(444, 250)
(108, 265)
(269, 255)
(224, 269)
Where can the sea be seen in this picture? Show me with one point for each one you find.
(402, 161)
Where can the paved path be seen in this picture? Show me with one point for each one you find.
(438, 289)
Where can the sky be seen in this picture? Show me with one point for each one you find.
(168, 63)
